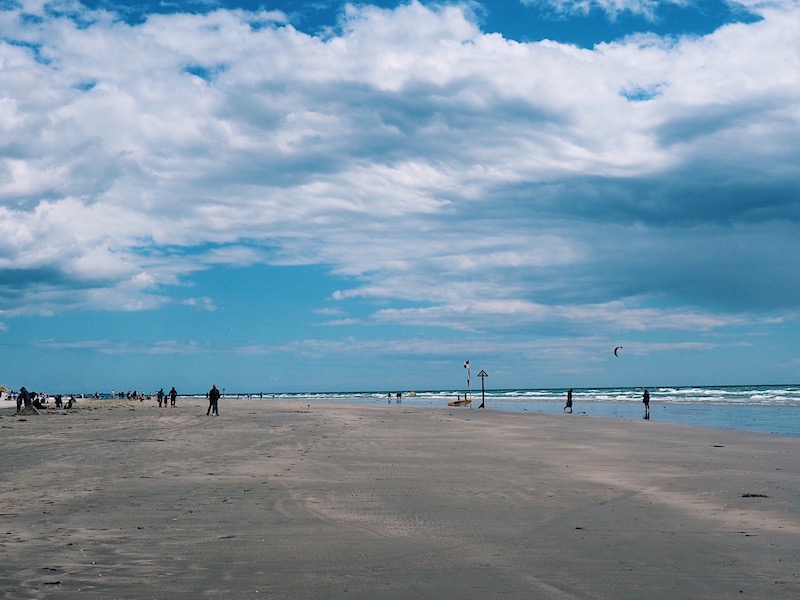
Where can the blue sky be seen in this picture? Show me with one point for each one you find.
(296, 196)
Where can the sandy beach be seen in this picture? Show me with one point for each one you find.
(121, 499)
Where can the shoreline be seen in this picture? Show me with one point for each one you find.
(299, 500)
(772, 419)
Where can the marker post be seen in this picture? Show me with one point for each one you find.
(483, 375)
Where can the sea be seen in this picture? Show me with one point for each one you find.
(765, 408)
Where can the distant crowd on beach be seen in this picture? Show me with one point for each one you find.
(39, 400)
(164, 400)
(26, 399)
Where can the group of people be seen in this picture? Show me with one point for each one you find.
(170, 397)
(27, 399)
(645, 401)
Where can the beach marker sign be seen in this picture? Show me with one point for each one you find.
(483, 374)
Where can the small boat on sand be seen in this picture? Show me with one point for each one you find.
(460, 402)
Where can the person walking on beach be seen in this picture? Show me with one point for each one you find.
(569, 400)
(160, 396)
(646, 401)
(172, 395)
(213, 398)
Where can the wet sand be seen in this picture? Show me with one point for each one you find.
(122, 499)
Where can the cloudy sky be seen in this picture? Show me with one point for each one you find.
(294, 196)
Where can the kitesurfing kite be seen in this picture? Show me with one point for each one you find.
(617, 349)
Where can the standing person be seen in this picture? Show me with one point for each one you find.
(23, 397)
(172, 395)
(646, 401)
(160, 397)
(213, 397)
(569, 400)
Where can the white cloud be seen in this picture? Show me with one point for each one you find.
(490, 315)
(204, 303)
(340, 322)
(428, 161)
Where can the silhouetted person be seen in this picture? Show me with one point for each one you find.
(172, 395)
(646, 401)
(160, 396)
(569, 400)
(23, 398)
(213, 398)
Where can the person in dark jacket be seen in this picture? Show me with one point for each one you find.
(23, 397)
(213, 398)
(172, 395)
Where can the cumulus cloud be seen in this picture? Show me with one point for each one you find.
(645, 182)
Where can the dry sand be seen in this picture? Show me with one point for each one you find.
(285, 500)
